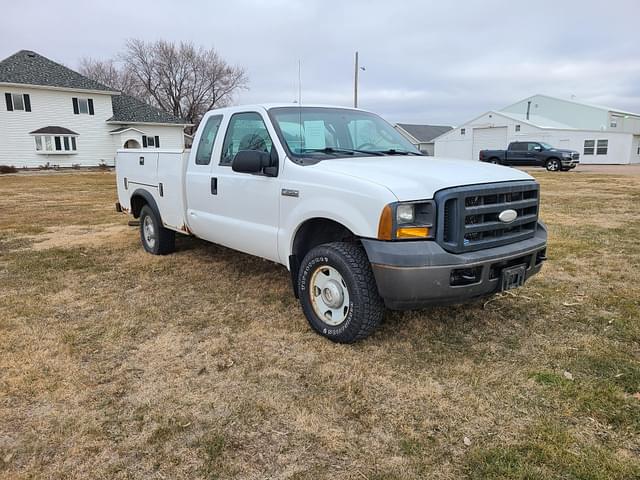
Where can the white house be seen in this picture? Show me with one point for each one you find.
(52, 115)
(422, 135)
(600, 134)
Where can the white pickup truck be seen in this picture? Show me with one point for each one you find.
(359, 217)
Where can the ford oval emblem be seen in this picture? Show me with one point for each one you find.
(507, 216)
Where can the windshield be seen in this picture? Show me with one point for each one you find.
(319, 133)
(546, 146)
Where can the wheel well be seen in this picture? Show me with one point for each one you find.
(552, 158)
(497, 159)
(317, 231)
(137, 202)
(310, 234)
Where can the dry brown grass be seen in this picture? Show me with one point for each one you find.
(118, 364)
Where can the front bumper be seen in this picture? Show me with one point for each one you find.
(415, 274)
(569, 162)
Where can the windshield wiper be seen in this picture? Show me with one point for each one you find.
(337, 150)
(393, 151)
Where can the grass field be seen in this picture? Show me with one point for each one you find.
(116, 364)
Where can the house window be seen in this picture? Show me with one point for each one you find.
(82, 106)
(517, 128)
(614, 123)
(50, 143)
(589, 147)
(17, 101)
(463, 131)
(149, 141)
(603, 146)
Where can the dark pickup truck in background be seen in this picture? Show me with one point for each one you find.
(533, 154)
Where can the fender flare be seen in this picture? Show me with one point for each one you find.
(140, 192)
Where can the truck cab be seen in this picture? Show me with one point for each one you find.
(360, 218)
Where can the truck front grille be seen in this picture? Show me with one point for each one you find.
(468, 216)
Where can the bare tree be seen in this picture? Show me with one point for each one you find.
(177, 78)
(109, 73)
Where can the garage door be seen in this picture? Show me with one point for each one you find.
(489, 139)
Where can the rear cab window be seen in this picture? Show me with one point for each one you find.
(207, 140)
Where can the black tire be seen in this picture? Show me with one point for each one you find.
(553, 165)
(494, 160)
(365, 307)
(161, 240)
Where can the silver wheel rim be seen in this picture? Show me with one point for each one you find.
(329, 295)
(553, 165)
(149, 232)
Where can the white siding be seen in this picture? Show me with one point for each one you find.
(171, 137)
(49, 107)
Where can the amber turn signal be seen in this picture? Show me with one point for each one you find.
(385, 227)
(412, 232)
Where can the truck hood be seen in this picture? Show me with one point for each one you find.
(416, 178)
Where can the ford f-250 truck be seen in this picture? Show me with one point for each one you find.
(356, 214)
(538, 154)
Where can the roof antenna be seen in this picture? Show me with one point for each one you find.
(299, 82)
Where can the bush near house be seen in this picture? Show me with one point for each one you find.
(8, 169)
(119, 364)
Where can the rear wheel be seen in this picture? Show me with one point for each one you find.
(154, 237)
(338, 292)
(553, 165)
(494, 160)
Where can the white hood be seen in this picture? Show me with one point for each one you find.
(415, 178)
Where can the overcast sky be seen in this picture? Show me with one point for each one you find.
(426, 62)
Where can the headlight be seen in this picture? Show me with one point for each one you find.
(405, 221)
(566, 155)
(405, 213)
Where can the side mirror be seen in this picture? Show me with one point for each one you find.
(255, 162)
(537, 148)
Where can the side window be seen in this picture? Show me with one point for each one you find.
(518, 147)
(246, 131)
(589, 147)
(208, 138)
(532, 147)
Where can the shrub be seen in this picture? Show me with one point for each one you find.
(8, 169)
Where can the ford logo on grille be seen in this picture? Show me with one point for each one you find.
(507, 216)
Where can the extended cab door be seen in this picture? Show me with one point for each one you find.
(517, 153)
(245, 209)
(199, 182)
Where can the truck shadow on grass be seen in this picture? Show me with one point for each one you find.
(456, 328)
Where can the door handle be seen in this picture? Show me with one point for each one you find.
(214, 185)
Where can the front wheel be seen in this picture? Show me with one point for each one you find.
(338, 292)
(553, 165)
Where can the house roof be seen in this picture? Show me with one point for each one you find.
(424, 133)
(53, 131)
(124, 129)
(29, 68)
(127, 109)
(535, 120)
(599, 107)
